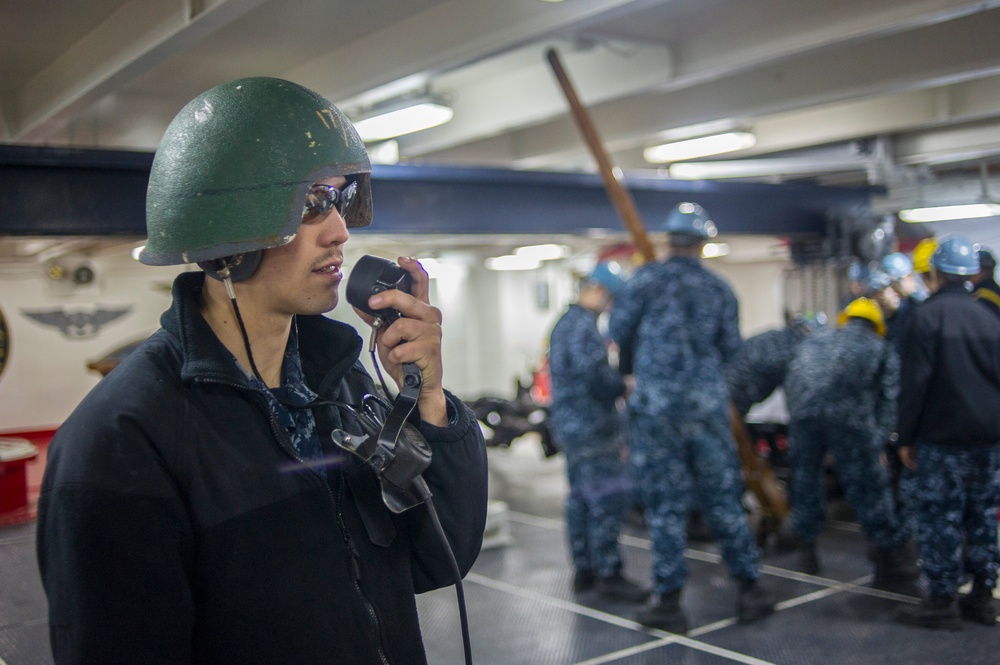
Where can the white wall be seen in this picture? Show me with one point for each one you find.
(46, 373)
(759, 290)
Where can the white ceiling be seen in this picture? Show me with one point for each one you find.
(904, 93)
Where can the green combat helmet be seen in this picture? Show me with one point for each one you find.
(231, 174)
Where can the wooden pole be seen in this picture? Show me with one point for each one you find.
(619, 195)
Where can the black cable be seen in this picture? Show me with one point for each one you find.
(420, 487)
(378, 371)
(223, 270)
(246, 341)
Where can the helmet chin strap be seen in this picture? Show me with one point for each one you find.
(221, 269)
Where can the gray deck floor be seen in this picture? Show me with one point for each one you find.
(522, 609)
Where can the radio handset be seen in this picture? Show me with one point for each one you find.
(372, 275)
(392, 447)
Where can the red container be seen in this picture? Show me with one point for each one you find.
(14, 457)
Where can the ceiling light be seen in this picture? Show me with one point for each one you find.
(512, 262)
(944, 213)
(543, 252)
(416, 117)
(386, 152)
(443, 269)
(699, 147)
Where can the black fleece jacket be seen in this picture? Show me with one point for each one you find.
(174, 527)
(949, 389)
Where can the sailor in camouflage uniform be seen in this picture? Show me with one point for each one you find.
(949, 434)
(761, 363)
(681, 321)
(588, 429)
(841, 390)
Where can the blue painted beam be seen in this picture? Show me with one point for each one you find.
(55, 191)
(436, 199)
(61, 191)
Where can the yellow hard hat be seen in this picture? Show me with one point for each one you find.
(922, 255)
(863, 308)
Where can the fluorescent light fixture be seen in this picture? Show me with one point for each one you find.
(713, 250)
(760, 168)
(944, 213)
(443, 269)
(512, 262)
(415, 118)
(543, 252)
(386, 152)
(703, 146)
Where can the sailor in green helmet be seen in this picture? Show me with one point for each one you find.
(195, 508)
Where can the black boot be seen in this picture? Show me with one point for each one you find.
(583, 580)
(808, 559)
(978, 606)
(664, 612)
(616, 587)
(896, 569)
(753, 602)
(938, 612)
(785, 539)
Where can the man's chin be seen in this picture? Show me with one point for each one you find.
(317, 308)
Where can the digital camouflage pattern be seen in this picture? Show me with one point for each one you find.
(600, 494)
(761, 364)
(841, 389)
(956, 493)
(587, 427)
(681, 464)
(864, 480)
(847, 375)
(289, 405)
(683, 323)
(585, 387)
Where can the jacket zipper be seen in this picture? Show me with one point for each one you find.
(356, 569)
(352, 549)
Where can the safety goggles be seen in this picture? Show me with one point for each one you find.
(321, 199)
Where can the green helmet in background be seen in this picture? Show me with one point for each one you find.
(232, 171)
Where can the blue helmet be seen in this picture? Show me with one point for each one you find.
(897, 265)
(857, 272)
(609, 275)
(877, 280)
(955, 255)
(689, 219)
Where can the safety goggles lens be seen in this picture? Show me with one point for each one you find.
(321, 199)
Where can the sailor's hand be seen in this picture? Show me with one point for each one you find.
(415, 338)
(908, 456)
